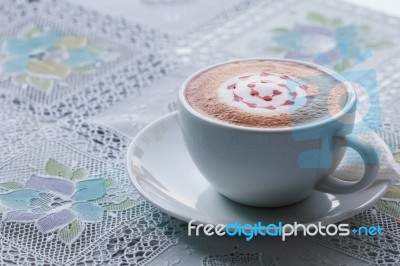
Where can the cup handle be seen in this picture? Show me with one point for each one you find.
(369, 155)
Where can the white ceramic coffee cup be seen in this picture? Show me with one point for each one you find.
(260, 166)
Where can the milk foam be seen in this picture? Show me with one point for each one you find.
(264, 93)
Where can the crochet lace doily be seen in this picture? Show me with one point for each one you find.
(65, 127)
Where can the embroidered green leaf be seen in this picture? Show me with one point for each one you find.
(21, 78)
(49, 68)
(40, 83)
(342, 66)
(397, 156)
(380, 44)
(365, 28)
(109, 182)
(83, 69)
(29, 34)
(390, 208)
(392, 194)
(336, 22)
(55, 168)
(11, 185)
(71, 42)
(71, 232)
(79, 174)
(280, 29)
(95, 49)
(275, 49)
(316, 17)
(124, 205)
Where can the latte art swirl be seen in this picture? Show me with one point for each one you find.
(265, 93)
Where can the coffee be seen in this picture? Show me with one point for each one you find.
(266, 93)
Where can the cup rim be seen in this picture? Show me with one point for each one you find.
(349, 104)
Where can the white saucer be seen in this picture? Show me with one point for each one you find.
(162, 171)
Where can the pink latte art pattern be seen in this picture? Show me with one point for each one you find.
(265, 92)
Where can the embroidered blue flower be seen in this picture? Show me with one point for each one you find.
(325, 41)
(39, 57)
(88, 212)
(90, 190)
(19, 199)
(76, 197)
(63, 201)
(30, 46)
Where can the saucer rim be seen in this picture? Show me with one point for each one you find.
(334, 218)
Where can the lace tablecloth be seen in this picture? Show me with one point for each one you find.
(76, 85)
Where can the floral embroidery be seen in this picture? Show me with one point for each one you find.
(38, 57)
(390, 202)
(63, 201)
(325, 41)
